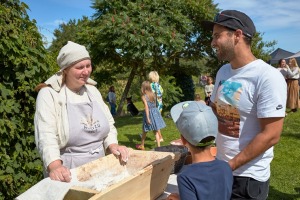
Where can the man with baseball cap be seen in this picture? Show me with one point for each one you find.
(207, 177)
(249, 100)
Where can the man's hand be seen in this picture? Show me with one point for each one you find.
(173, 196)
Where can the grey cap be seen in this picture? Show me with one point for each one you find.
(195, 121)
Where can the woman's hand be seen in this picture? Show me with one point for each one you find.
(121, 152)
(173, 196)
(59, 172)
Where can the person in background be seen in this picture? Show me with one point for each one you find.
(207, 177)
(158, 91)
(249, 100)
(73, 125)
(203, 80)
(292, 84)
(112, 100)
(152, 119)
(198, 98)
(208, 89)
(282, 67)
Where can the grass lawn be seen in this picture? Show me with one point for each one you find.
(285, 169)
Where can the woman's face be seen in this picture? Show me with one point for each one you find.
(292, 62)
(283, 63)
(209, 81)
(78, 74)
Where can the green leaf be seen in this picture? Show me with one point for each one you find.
(9, 170)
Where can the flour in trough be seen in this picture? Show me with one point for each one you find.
(101, 180)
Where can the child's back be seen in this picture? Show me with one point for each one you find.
(156, 119)
(152, 119)
(205, 180)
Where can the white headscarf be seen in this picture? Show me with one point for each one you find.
(69, 55)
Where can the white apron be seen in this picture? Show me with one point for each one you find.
(88, 127)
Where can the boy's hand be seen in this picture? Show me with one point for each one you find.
(173, 196)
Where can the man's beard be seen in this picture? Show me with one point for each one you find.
(226, 51)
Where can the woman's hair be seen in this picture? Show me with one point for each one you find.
(112, 88)
(42, 85)
(146, 89)
(294, 62)
(280, 62)
(197, 97)
(153, 76)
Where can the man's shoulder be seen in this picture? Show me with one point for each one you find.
(268, 71)
(258, 63)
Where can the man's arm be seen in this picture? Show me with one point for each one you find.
(269, 136)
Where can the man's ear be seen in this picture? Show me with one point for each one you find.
(238, 34)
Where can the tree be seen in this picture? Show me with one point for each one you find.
(128, 33)
(24, 63)
(78, 31)
(132, 38)
(71, 31)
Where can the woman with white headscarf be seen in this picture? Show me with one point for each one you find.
(73, 125)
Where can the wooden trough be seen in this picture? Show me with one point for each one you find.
(145, 176)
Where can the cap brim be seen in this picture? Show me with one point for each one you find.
(177, 110)
(208, 25)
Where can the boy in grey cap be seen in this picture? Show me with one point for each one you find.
(206, 177)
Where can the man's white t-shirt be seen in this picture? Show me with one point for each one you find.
(242, 96)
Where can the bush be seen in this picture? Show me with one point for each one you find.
(24, 63)
(186, 83)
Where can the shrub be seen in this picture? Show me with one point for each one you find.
(23, 62)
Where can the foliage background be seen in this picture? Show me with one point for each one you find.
(24, 63)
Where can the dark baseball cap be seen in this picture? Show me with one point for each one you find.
(234, 20)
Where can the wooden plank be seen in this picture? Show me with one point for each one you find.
(148, 176)
(77, 193)
(148, 184)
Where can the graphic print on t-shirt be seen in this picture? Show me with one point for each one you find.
(227, 101)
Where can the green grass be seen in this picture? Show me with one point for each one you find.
(285, 169)
(130, 127)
